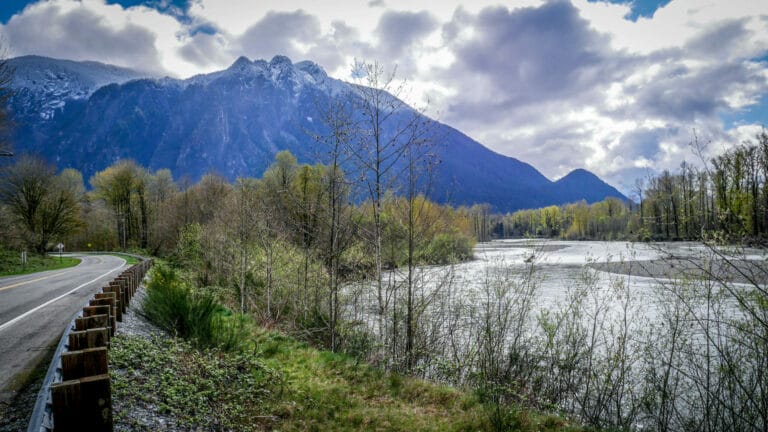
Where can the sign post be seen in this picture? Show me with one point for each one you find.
(60, 247)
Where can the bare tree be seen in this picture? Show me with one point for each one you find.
(338, 118)
(387, 129)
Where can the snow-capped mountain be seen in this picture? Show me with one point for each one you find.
(44, 85)
(233, 122)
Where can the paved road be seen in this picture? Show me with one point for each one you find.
(35, 309)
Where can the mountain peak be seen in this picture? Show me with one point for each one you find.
(280, 60)
(240, 63)
(50, 84)
(313, 69)
(583, 184)
(578, 173)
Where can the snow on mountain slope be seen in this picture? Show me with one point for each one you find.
(45, 85)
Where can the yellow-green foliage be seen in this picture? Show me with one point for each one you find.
(606, 219)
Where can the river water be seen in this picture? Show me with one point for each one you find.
(603, 302)
(560, 265)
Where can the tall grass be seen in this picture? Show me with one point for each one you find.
(173, 306)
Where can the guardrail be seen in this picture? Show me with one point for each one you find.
(76, 393)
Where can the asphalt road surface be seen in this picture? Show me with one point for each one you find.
(36, 308)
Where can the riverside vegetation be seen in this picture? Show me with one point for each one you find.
(223, 371)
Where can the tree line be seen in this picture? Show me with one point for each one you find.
(727, 198)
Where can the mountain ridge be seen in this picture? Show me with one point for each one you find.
(235, 120)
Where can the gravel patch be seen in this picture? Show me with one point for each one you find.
(134, 323)
(738, 271)
(136, 415)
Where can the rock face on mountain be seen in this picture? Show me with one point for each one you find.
(87, 115)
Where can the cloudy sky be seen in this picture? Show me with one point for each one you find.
(615, 86)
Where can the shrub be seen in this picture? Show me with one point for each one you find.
(447, 248)
(174, 307)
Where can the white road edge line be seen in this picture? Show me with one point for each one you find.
(31, 311)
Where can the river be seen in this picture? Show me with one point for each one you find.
(617, 334)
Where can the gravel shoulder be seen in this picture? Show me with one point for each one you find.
(128, 415)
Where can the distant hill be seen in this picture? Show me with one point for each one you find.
(87, 115)
(584, 185)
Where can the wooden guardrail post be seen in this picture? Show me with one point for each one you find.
(107, 292)
(91, 322)
(83, 404)
(115, 288)
(92, 338)
(83, 363)
(107, 299)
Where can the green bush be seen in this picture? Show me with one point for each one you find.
(196, 316)
(447, 248)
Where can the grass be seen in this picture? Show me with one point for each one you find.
(279, 383)
(10, 263)
(130, 260)
(194, 389)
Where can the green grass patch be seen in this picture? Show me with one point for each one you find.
(190, 389)
(10, 263)
(328, 391)
(130, 260)
(279, 383)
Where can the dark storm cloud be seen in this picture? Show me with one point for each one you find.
(686, 95)
(81, 35)
(278, 33)
(643, 142)
(398, 31)
(720, 42)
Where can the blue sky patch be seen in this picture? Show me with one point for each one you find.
(752, 114)
(640, 8)
(8, 8)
